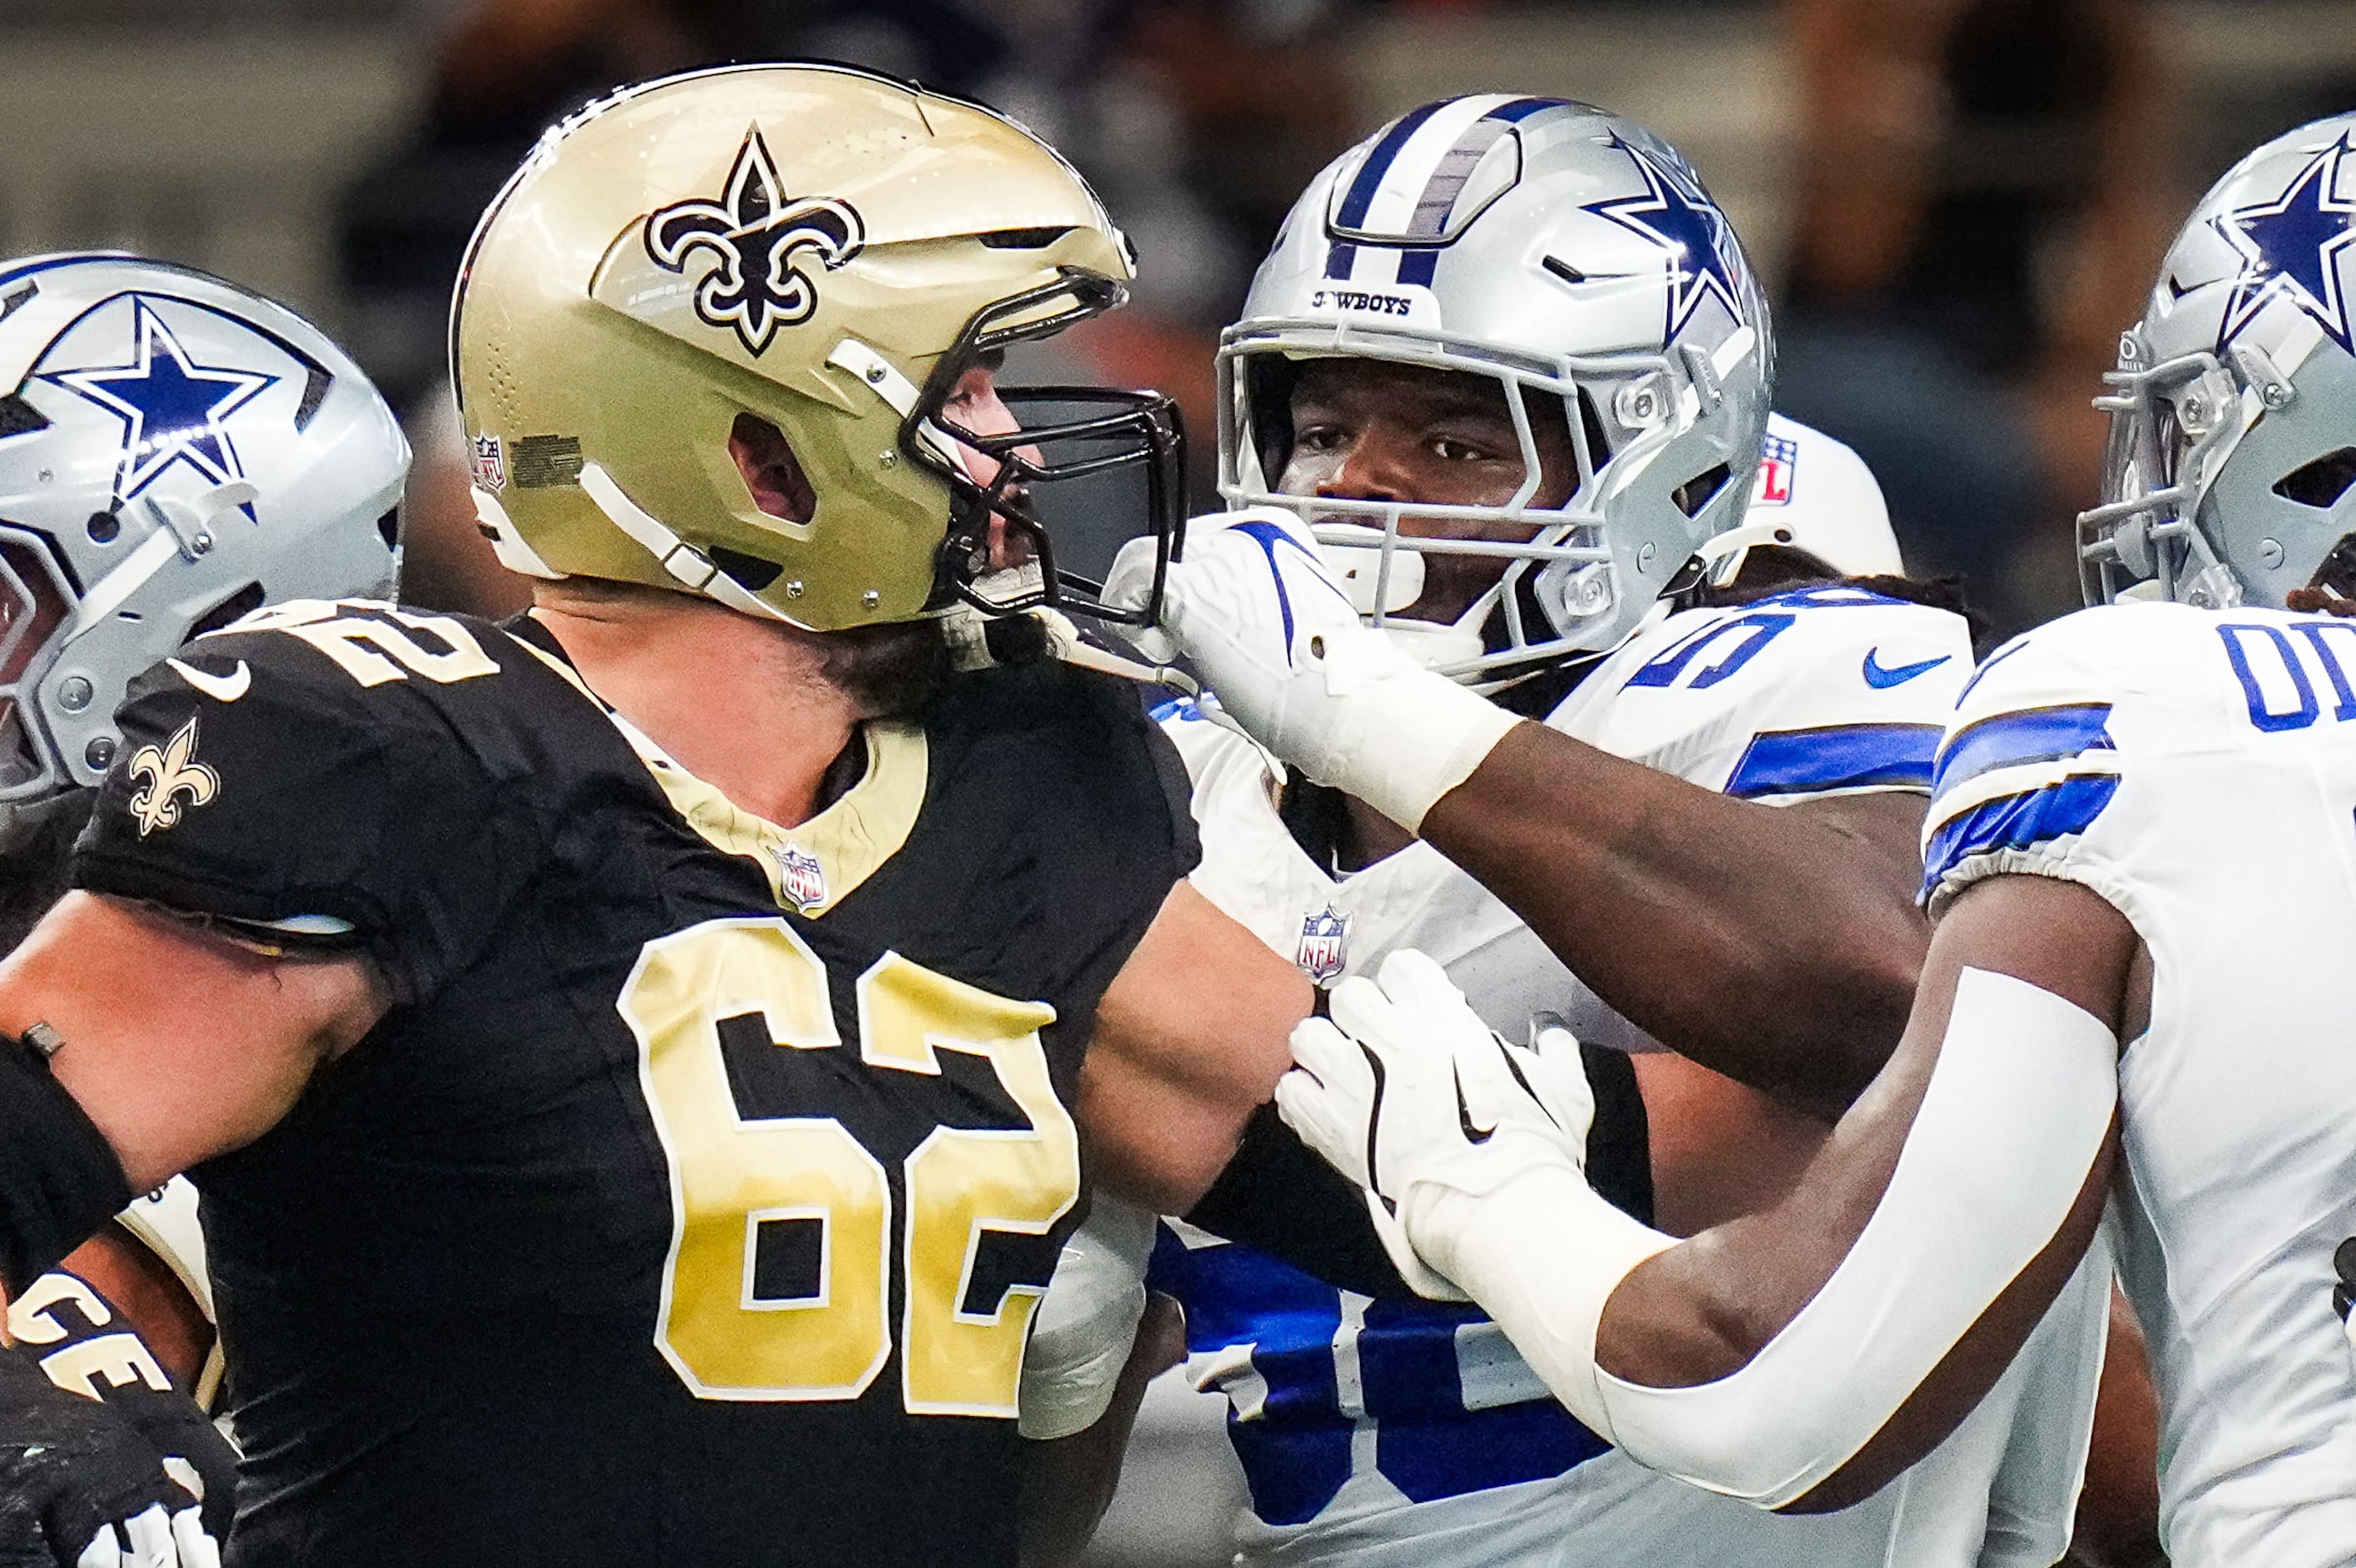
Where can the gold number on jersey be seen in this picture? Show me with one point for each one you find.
(957, 1363)
(372, 651)
(731, 1174)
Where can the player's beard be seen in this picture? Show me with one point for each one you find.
(890, 670)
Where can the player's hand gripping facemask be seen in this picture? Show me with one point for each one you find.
(1282, 650)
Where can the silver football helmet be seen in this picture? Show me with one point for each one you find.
(174, 452)
(2231, 471)
(1568, 255)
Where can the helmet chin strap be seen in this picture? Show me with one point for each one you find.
(691, 567)
(1722, 555)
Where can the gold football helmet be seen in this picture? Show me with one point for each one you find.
(691, 270)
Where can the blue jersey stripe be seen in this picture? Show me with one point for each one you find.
(1837, 756)
(2032, 734)
(2018, 822)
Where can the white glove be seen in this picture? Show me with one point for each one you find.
(1408, 1093)
(1087, 1323)
(1278, 643)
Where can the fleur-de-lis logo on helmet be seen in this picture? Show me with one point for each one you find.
(760, 240)
(170, 773)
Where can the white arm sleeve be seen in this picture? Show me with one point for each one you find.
(1087, 1323)
(2016, 1113)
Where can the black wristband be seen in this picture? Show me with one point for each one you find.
(60, 1180)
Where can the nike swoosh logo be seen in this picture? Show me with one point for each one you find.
(226, 688)
(1881, 679)
(1464, 1117)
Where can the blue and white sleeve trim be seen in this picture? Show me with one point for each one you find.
(2013, 792)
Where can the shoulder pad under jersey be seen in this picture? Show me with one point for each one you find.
(324, 774)
(2054, 726)
(1816, 691)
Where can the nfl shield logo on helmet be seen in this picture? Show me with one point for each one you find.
(490, 463)
(800, 879)
(1324, 943)
(1779, 464)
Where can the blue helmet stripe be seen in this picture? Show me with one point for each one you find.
(1339, 259)
(1835, 757)
(1378, 164)
(1521, 109)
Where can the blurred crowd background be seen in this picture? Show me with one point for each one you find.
(1958, 202)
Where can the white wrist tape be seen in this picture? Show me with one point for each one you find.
(1541, 1255)
(2017, 1111)
(1087, 1323)
(1397, 736)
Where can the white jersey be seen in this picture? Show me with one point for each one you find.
(2197, 769)
(1388, 1432)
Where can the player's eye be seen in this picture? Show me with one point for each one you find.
(1318, 438)
(1457, 449)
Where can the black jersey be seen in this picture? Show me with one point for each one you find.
(690, 1203)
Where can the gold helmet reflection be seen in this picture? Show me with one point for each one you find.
(803, 247)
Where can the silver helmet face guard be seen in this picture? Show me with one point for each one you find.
(122, 533)
(1565, 565)
(2172, 426)
(36, 603)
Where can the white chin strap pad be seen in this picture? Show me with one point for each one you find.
(2017, 1111)
(1357, 564)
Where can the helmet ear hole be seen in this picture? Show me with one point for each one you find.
(1699, 491)
(241, 603)
(771, 471)
(2320, 483)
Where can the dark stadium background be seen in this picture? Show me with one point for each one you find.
(1958, 202)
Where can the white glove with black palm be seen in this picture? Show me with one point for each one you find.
(1278, 642)
(1407, 1093)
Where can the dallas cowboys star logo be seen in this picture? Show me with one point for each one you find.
(759, 238)
(171, 407)
(2291, 249)
(1674, 214)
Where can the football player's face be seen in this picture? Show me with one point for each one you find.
(974, 406)
(1367, 430)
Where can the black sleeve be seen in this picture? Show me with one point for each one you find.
(1086, 800)
(280, 793)
(1279, 1197)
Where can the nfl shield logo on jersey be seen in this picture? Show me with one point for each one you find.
(490, 463)
(800, 879)
(1779, 461)
(1324, 941)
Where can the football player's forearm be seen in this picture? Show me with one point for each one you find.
(1070, 1482)
(1919, 1276)
(1766, 944)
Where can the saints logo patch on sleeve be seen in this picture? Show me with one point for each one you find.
(170, 775)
